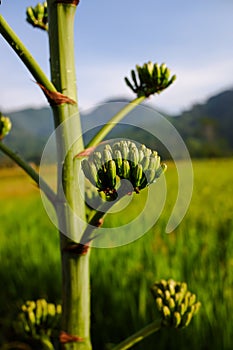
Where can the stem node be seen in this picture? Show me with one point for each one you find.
(65, 338)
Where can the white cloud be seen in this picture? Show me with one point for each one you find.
(99, 82)
(196, 84)
(193, 84)
(102, 81)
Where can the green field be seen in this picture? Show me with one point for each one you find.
(199, 251)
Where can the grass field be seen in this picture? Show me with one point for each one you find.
(199, 252)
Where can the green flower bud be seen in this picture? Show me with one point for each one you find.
(137, 176)
(90, 171)
(182, 308)
(172, 300)
(152, 79)
(159, 303)
(125, 170)
(176, 319)
(38, 16)
(150, 68)
(161, 170)
(197, 306)
(186, 319)
(150, 175)
(122, 160)
(37, 319)
(167, 295)
(124, 149)
(5, 126)
(171, 286)
(158, 291)
(186, 299)
(111, 174)
(171, 304)
(97, 159)
(108, 147)
(166, 311)
(192, 299)
(145, 163)
(118, 159)
(133, 156)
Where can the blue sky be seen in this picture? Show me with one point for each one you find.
(194, 38)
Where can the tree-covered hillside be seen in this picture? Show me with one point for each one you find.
(207, 128)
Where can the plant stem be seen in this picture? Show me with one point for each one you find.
(99, 213)
(139, 336)
(30, 171)
(114, 120)
(24, 55)
(75, 267)
(46, 344)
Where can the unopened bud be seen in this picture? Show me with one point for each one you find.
(175, 304)
(5, 126)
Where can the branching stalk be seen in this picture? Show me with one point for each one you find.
(24, 55)
(46, 344)
(114, 121)
(139, 336)
(97, 214)
(31, 172)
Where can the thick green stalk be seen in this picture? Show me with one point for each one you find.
(114, 120)
(24, 55)
(139, 336)
(75, 266)
(46, 344)
(30, 171)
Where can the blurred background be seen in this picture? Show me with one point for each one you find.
(195, 40)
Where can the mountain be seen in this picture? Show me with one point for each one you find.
(30, 131)
(207, 128)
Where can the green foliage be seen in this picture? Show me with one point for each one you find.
(199, 252)
(29, 251)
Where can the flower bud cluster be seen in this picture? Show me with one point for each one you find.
(5, 126)
(175, 303)
(151, 79)
(38, 318)
(38, 16)
(123, 160)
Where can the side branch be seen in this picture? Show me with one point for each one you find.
(139, 336)
(24, 55)
(31, 172)
(95, 219)
(114, 120)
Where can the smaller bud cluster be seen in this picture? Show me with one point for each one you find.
(124, 160)
(175, 303)
(38, 16)
(5, 126)
(93, 198)
(38, 318)
(151, 79)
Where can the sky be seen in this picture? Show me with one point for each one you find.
(194, 39)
